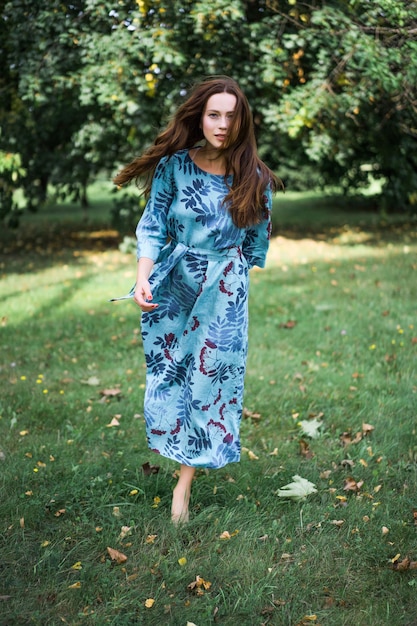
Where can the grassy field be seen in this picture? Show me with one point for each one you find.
(333, 339)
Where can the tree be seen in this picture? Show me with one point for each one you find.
(87, 84)
(350, 95)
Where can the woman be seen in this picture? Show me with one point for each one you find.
(209, 197)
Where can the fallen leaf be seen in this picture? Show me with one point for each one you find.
(274, 452)
(110, 392)
(352, 485)
(93, 381)
(114, 422)
(198, 583)
(347, 438)
(337, 522)
(385, 530)
(325, 474)
(182, 561)
(117, 556)
(288, 324)
(76, 585)
(148, 469)
(150, 538)
(225, 535)
(252, 414)
(252, 456)
(367, 428)
(299, 489)
(310, 428)
(305, 449)
(125, 531)
(149, 603)
(77, 565)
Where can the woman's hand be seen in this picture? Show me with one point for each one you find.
(143, 296)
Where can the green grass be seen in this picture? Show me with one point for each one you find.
(69, 482)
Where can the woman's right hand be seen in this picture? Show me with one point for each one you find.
(143, 296)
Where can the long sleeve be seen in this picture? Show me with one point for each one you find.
(151, 232)
(256, 242)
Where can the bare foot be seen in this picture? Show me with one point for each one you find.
(180, 501)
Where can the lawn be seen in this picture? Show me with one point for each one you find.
(331, 396)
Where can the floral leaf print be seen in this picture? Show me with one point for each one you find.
(155, 362)
(193, 193)
(200, 440)
(187, 406)
(177, 372)
(220, 333)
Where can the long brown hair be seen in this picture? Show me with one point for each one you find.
(251, 176)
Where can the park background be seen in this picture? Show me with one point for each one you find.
(331, 381)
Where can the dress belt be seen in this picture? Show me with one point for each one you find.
(178, 251)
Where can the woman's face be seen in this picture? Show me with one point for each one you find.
(217, 117)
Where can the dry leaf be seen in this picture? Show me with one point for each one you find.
(225, 535)
(347, 438)
(150, 538)
(117, 556)
(149, 603)
(299, 489)
(182, 561)
(305, 449)
(385, 530)
(311, 427)
(252, 414)
(352, 485)
(289, 324)
(93, 381)
(367, 428)
(148, 469)
(325, 474)
(76, 585)
(252, 456)
(125, 531)
(114, 422)
(198, 583)
(110, 392)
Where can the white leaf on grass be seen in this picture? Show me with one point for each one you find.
(297, 490)
(311, 427)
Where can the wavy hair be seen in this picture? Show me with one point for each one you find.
(251, 177)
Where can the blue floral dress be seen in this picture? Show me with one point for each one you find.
(195, 341)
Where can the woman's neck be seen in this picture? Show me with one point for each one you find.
(209, 159)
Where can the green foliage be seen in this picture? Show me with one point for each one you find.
(86, 85)
(11, 174)
(349, 97)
